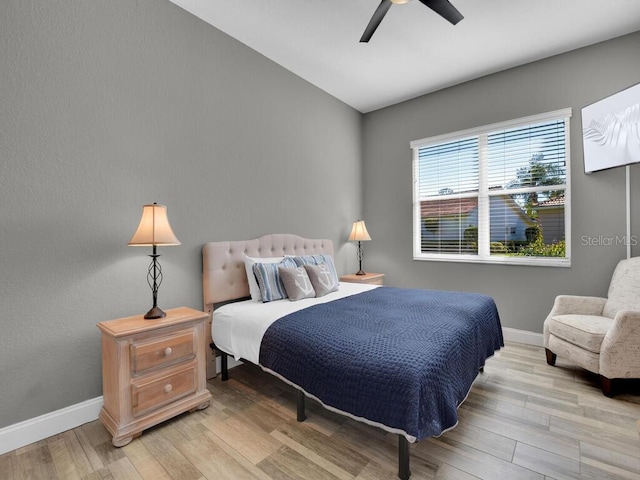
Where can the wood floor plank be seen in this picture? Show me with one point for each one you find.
(146, 464)
(594, 435)
(6, 466)
(507, 410)
(538, 436)
(591, 469)
(601, 424)
(553, 406)
(254, 471)
(264, 418)
(546, 463)
(289, 464)
(623, 418)
(618, 460)
(483, 440)
(471, 461)
(488, 389)
(322, 420)
(377, 471)
(62, 460)
(331, 449)
(447, 472)
(123, 469)
(314, 457)
(168, 455)
(96, 433)
(108, 453)
(89, 450)
(369, 441)
(253, 444)
(35, 463)
(78, 455)
(212, 461)
(100, 474)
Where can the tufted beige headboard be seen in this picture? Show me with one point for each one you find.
(223, 274)
(224, 277)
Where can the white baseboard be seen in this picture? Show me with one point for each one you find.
(35, 429)
(523, 336)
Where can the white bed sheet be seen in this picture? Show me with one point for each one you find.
(237, 328)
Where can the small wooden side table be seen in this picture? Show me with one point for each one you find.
(368, 278)
(152, 370)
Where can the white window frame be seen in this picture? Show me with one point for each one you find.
(484, 254)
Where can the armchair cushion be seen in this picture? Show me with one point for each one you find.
(585, 331)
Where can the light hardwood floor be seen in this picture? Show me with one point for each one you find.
(522, 420)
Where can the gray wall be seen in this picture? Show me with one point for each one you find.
(106, 105)
(524, 295)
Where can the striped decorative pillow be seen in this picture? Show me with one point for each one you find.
(249, 262)
(269, 281)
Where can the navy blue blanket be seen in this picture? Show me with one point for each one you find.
(401, 358)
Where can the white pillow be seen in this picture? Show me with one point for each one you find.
(254, 288)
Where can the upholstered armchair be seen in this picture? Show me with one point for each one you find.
(601, 335)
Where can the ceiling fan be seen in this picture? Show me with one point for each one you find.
(441, 7)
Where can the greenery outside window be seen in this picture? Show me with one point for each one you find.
(495, 194)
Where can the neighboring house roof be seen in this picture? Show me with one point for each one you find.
(464, 206)
(552, 202)
(445, 207)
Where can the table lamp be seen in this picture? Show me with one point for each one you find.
(359, 233)
(154, 230)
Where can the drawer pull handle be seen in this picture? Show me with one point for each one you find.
(167, 351)
(167, 388)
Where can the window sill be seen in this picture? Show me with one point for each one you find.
(498, 260)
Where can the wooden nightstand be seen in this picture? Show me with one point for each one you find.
(152, 370)
(369, 278)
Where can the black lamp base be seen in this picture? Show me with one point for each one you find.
(154, 313)
(360, 272)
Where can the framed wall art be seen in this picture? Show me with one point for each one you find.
(611, 131)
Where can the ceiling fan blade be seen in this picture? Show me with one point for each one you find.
(444, 9)
(378, 15)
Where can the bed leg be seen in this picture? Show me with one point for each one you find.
(302, 416)
(224, 365)
(403, 458)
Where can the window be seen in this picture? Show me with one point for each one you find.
(495, 194)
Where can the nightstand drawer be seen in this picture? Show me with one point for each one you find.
(163, 351)
(155, 393)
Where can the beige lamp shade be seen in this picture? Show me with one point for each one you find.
(154, 228)
(359, 232)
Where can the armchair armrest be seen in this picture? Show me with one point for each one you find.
(577, 305)
(620, 349)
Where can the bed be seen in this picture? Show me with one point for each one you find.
(405, 358)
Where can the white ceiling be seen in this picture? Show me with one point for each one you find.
(414, 51)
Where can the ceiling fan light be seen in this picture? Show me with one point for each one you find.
(400, 2)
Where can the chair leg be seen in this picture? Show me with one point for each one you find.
(551, 357)
(607, 386)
